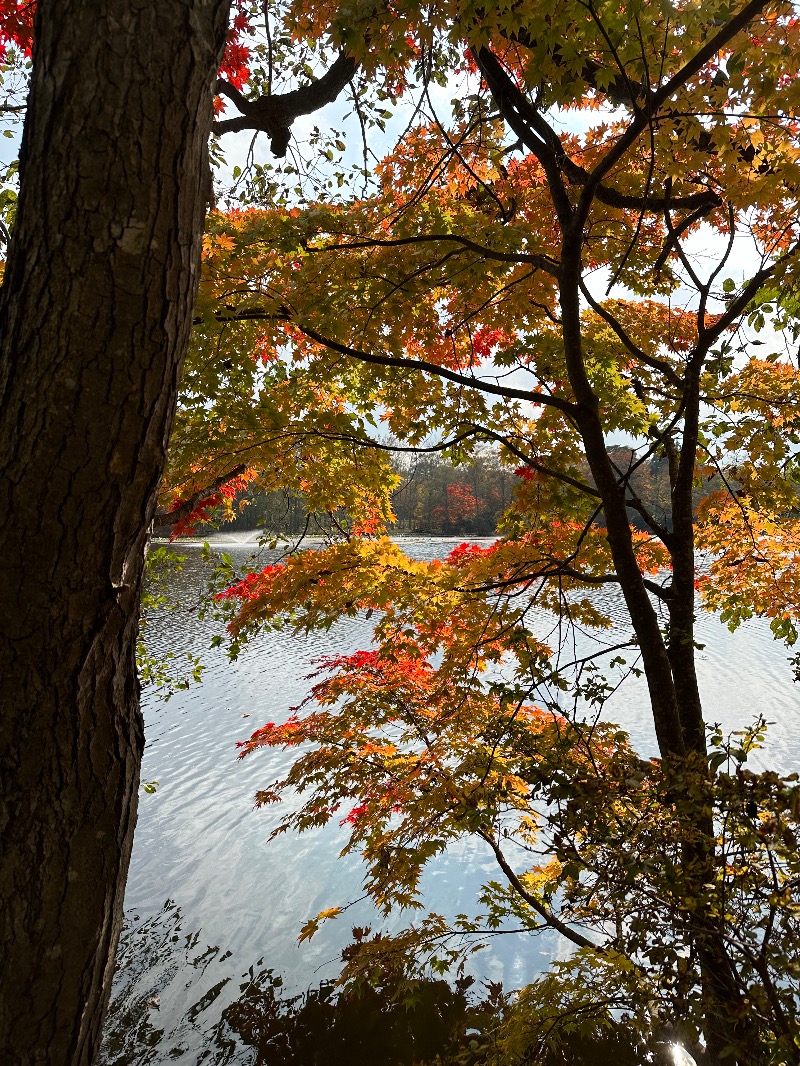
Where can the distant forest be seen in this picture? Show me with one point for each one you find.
(439, 499)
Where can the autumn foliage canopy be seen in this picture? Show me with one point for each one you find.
(597, 239)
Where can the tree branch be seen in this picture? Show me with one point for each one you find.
(648, 360)
(535, 464)
(542, 262)
(544, 912)
(654, 100)
(738, 306)
(526, 122)
(169, 518)
(620, 91)
(676, 232)
(423, 365)
(564, 569)
(517, 110)
(274, 115)
(439, 371)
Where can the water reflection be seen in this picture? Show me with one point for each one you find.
(149, 1020)
(398, 1022)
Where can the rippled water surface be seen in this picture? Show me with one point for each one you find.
(211, 901)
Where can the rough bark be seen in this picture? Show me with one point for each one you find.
(95, 314)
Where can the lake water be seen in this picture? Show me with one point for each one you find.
(212, 903)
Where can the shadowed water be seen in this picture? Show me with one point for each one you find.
(211, 902)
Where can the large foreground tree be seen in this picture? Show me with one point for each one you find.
(95, 314)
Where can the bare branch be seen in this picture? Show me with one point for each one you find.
(274, 115)
(544, 912)
(542, 262)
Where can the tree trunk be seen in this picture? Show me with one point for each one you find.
(95, 314)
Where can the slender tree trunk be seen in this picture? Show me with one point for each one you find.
(727, 1022)
(95, 313)
(657, 668)
(682, 652)
(670, 672)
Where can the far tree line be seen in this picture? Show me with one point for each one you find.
(436, 498)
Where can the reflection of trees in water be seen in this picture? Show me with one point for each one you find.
(157, 962)
(394, 1021)
(402, 1023)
